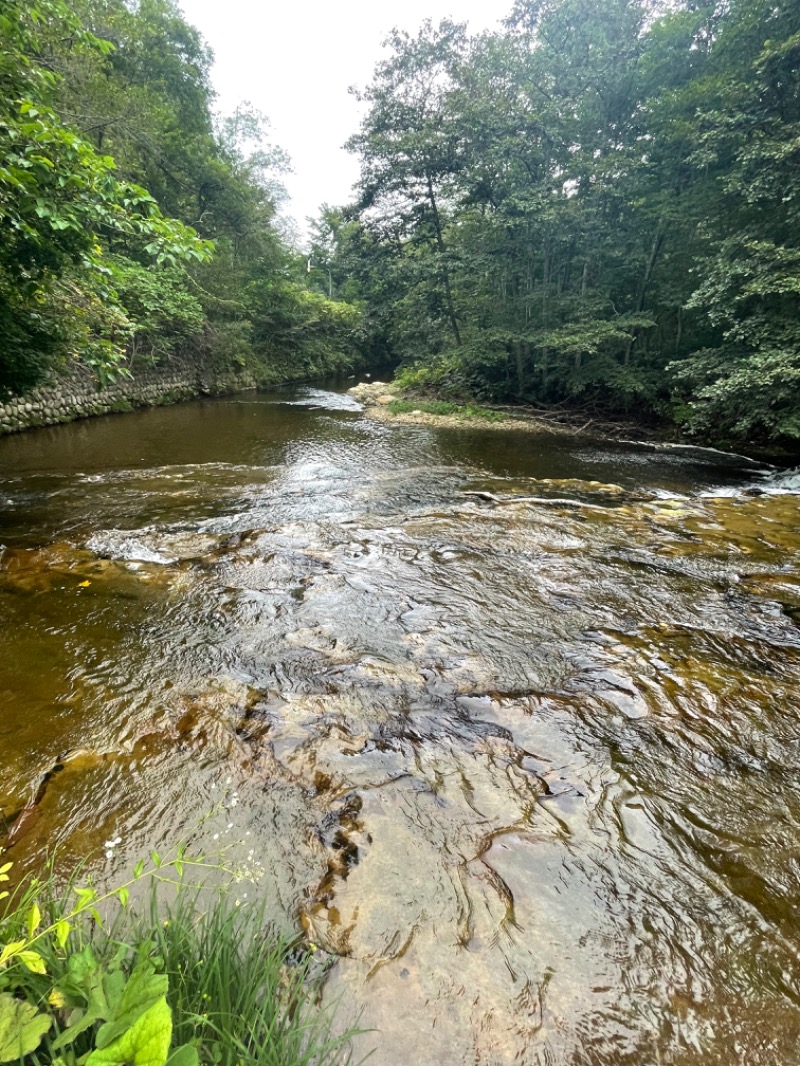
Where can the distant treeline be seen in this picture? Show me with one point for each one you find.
(134, 220)
(598, 205)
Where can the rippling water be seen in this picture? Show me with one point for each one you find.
(509, 724)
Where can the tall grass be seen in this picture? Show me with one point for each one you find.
(238, 992)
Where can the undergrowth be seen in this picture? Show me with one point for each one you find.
(89, 979)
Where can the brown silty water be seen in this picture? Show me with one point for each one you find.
(507, 723)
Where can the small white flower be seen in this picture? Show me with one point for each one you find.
(230, 825)
(109, 854)
(216, 836)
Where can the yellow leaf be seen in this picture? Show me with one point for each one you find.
(84, 584)
(34, 919)
(11, 949)
(62, 932)
(33, 960)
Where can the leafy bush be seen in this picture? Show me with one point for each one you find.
(58, 197)
(161, 308)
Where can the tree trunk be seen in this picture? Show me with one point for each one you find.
(655, 248)
(518, 354)
(451, 314)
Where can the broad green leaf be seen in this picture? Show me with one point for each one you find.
(141, 992)
(21, 1028)
(86, 982)
(146, 1043)
(33, 961)
(185, 1055)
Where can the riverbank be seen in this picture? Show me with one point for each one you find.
(389, 403)
(75, 393)
(386, 401)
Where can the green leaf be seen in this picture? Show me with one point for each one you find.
(87, 981)
(145, 1043)
(21, 1028)
(142, 991)
(185, 1055)
(63, 929)
(86, 897)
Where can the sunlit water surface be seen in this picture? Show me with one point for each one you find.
(527, 768)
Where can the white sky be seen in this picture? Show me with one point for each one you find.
(295, 59)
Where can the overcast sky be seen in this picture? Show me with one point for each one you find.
(295, 59)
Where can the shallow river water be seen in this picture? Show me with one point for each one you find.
(525, 765)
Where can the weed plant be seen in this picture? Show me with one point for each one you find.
(88, 979)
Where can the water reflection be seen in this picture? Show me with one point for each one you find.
(512, 722)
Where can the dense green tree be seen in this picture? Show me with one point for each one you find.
(410, 149)
(58, 198)
(748, 142)
(595, 205)
(113, 166)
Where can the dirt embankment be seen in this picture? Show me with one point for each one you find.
(382, 400)
(385, 401)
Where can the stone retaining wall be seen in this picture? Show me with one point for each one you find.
(75, 393)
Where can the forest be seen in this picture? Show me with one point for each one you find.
(595, 207)
(134, 220)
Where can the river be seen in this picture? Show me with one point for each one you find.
(525, 765)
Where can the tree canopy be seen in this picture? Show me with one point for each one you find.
(135, 221)
(596, 205)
